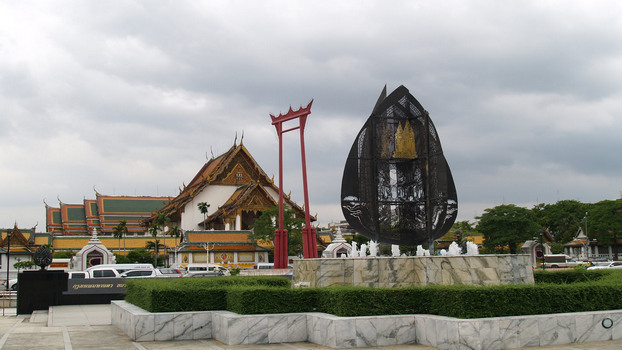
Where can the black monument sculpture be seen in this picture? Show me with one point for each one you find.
(38, 290)
(397, 187)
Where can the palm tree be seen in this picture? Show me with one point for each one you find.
(203, 209)
(155, 245)
(158, 225)
(119, 232)
(175, 232)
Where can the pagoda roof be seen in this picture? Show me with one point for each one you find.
(249, 196)
(18, 241)
(221, 171)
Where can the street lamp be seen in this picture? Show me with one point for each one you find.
(207, 248)
(587, 240)
(8, 257)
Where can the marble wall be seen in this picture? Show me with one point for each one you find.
(372, 331)
(408, 271)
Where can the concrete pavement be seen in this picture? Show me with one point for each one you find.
(89, 327)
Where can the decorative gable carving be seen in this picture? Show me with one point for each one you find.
(237, 176)
(257, 202)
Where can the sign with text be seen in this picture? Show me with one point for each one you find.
(95, 286)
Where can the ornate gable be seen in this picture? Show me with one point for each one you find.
(237, 176)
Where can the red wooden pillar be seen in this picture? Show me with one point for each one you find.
(308, 232)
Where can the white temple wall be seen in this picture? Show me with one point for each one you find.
(214, 195)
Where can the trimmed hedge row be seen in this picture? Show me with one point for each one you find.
(191, 294)
(246, 295)
(574, 275)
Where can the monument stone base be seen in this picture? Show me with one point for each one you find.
(414, 271)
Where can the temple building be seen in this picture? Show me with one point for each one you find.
(235, 191)
(102, 213)
(233, 187)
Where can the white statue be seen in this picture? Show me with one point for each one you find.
(363, 252)
(395, 250)
(354, 253)
(373, 248)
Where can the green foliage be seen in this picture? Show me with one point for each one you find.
(605, 223)
(263, 228)
(506, 226)
(203, 209)
(124, 259)
(556, 247)
(360, 239)
(562, 219)
(191, 294)
(120, 230)
(24, 265)
(555, 292)
(265, 300)
(580, 274)
(65, 254)
(140, 255)
(464, 226)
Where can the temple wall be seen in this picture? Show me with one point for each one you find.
(414, 270)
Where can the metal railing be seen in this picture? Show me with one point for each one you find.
(8, 299)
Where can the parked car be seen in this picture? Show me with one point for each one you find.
(606, 265)
(560, 260)
(78, 274)
(263, 266)
(115, 270)
(12, 284)
(142, 273)
(169, 272)
(204, 274)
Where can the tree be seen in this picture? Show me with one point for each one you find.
(24, 265)
(157, 225)
(120, 231)
(174, 232)
(605, 223)
(140, 255)
(506, 226)
(562, 219)
(203, 209)
(263, 228)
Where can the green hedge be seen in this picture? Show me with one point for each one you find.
(191, 294)
(266, 300)
(571, 292)
(571, 275)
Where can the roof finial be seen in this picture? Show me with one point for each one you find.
(235, 142)
(242, 139)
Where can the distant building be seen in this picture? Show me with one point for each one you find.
(102, 213)
(237, 191)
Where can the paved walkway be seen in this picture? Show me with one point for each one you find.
(75, 327)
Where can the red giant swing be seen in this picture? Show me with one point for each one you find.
(308, 232)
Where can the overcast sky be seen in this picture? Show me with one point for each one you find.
(130, 97)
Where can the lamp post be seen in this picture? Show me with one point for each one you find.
(8, 257)
(541, 233)
(587, 240)
(207, 248)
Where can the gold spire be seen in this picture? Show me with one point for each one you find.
(405, 142)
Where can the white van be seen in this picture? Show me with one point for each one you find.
(115, 270)
(204, 267)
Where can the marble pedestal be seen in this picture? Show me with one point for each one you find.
(414, 270)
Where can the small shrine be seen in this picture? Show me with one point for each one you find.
(338, 248)
(93, 253)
